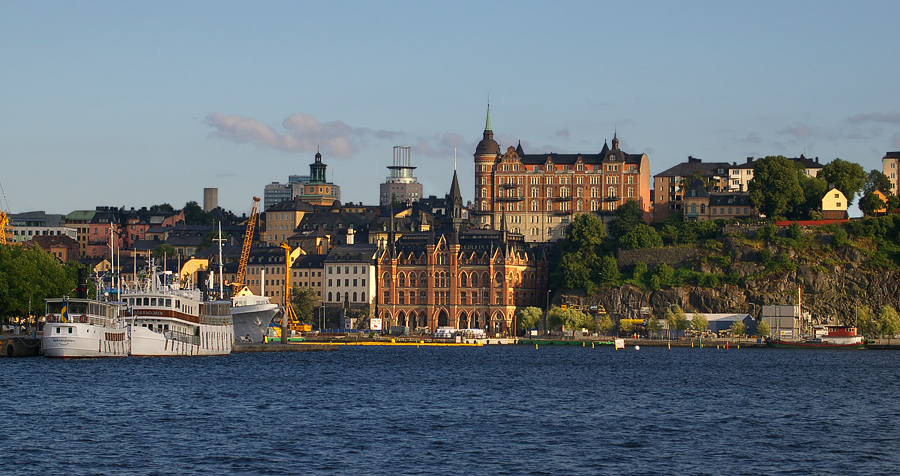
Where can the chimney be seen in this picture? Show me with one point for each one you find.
(350, 234)
(749, 159)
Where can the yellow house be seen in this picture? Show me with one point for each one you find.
(834, 205)
(882, 210)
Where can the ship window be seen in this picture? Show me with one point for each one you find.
(168, 302)
(57, 330)
(70, 330)
(152, 301)
(146, 301)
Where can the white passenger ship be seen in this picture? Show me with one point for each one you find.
(81, 327)
(167, 320)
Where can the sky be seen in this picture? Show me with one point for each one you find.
(140, 103)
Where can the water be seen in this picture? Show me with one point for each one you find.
(460, 411)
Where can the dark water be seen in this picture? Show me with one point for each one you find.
(466, 411)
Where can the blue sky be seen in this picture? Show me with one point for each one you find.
(138, 103)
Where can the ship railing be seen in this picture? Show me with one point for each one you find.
(182, 337)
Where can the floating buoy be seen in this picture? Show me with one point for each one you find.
(637, 347)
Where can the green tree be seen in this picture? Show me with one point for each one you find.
(194, 215)
(763, 329)
(570, 319)
(840, 237)
(866, 323)
(604, 324)
(609, 271)
(870, 203)
(888, 322)
(529, 317)
(847, 177)
(303, 301)
(677, 319)
(165, 207)
(654, 326)
(738, 329)
(640, 236)
(814, 188)
(699, 323)
(31, 274)
(580, 253)
(163, 251)
(628, 216)
(626, 327)
(775, 189)
(573, 272)
(665, 274)
(640, 270)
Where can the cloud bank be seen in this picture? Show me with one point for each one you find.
(301, 133)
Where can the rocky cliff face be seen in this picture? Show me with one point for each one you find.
(833, 284)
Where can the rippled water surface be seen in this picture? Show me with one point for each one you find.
(464, 411)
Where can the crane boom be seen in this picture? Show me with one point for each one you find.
(245, 248)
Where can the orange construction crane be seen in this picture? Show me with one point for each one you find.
(4, 220)
(245, 249)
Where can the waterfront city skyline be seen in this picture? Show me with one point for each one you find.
(129, 104)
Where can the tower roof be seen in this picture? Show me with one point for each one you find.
(488, 145)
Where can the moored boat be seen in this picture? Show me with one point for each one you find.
(832, 337)
(252, 315)
(81, 327)
(167, 320)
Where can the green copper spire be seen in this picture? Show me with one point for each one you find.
(487, 125)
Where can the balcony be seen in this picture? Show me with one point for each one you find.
(508, 185)
(611, 199)
(562, 212)
(562, 199)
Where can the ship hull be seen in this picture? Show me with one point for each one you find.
(785, 344)
(251, 322)
(210, 340)
(77, 340)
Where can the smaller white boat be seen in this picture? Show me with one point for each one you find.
(81, 327)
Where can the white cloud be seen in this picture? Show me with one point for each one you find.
(564, 133)
(302, 133)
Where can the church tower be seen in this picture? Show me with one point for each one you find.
(487, 153)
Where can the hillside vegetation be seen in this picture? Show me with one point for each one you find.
(727, 266)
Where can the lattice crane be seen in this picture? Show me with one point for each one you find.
(238, 283)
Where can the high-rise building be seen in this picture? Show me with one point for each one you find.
(210, 199)
(401, 186)
(539, 193)
(891, 167)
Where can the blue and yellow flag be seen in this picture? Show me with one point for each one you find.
(64, 312)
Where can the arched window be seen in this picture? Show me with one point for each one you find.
(412, 280)
(498, 279)
(401, 280)
(329, 296)
(362, 297)
(462, 280)
(474, 280)
(354, 296)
